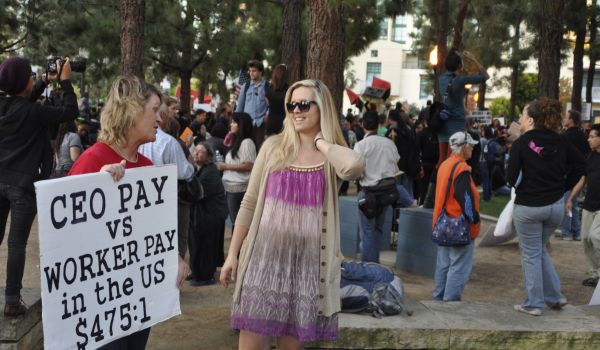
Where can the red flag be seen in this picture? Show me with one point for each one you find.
(381, 84)
(352, 96)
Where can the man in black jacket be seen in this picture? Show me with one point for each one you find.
(25, 157)
(570, 228)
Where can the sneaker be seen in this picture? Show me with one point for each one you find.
(590, 282)
(559, 304)
(532, 312)
(567, 238)
(14, 310)
(578, 238)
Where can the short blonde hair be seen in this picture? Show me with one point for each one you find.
(289, 140)
(126, 100)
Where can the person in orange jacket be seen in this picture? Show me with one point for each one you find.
(454, 264)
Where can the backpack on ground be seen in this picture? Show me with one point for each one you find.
(371, 288)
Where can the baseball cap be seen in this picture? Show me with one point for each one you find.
(460, 139)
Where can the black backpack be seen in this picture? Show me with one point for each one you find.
(438, 112)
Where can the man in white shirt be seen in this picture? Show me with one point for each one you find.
(167, 150)
(381, 156)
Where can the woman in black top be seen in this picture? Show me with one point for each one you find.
(542, 166)
(275, 96)
(207, 220)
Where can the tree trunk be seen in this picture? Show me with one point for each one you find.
(514, 81)
(550, 39)
(325, 59)
(578, 64)
(291, 48)
(458, 27)
(186, 88)
(593, 58)
(443, 10)
(481, 100)
(516, 67)
(132, 37)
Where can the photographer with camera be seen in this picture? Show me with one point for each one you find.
(25, 157)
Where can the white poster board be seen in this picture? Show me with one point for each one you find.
(108, 255)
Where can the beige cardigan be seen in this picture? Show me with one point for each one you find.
(348, 165)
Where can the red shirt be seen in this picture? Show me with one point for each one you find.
(101, 154)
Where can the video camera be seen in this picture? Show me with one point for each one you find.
(78, 64)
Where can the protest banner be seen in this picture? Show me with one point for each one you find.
(108, 255)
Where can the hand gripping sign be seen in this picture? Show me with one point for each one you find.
(108, 255)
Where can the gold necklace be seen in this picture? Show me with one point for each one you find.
(121, 153)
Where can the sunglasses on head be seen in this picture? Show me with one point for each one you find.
(304, 106)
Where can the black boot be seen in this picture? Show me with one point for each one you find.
(429, 201)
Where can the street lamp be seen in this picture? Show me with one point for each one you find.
(433, 60)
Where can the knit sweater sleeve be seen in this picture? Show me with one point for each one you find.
(248, 205)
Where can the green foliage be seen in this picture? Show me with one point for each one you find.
(500, 105)
(494, 206)
(527, 89)
(361, 27)
(17, 19)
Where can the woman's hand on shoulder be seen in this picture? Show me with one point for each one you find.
(116, 170)
(229, 270)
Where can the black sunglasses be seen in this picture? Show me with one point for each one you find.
(304, 106)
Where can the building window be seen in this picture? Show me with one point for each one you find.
(399, 34)
(374, 53)
(373, 70)
(424, 87)
(383, 29)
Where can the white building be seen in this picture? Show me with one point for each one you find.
(391, 58)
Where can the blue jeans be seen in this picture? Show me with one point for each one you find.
(371, 231)
(452, 271)
(534, 227)
(406, 198)
(408, 185)
(21, 204)
(485, 180)
(234, 199)
(502, 191)
(571, 226)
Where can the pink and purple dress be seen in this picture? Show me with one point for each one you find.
(280, 290)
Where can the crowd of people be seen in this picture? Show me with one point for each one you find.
(275, 163)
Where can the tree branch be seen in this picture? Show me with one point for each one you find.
(198, 60)
(11, 46)
(166, 64)
(460, 19)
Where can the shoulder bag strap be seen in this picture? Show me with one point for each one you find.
(449, 183)
(448, 88)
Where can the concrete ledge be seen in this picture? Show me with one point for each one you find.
(470, 326)
(24, 332)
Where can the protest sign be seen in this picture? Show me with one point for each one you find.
(108, 255)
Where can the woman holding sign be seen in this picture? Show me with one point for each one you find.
(287, 229)
(129, 119)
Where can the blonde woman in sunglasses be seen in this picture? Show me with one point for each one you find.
(287, 230)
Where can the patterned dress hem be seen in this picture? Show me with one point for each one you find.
(278, 329)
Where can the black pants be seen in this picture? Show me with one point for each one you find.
(20, 202)
(135, 341)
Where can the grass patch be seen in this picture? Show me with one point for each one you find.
(494, 206)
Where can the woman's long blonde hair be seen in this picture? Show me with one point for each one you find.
(288, 141)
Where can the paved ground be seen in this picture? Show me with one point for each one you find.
(496, 279)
